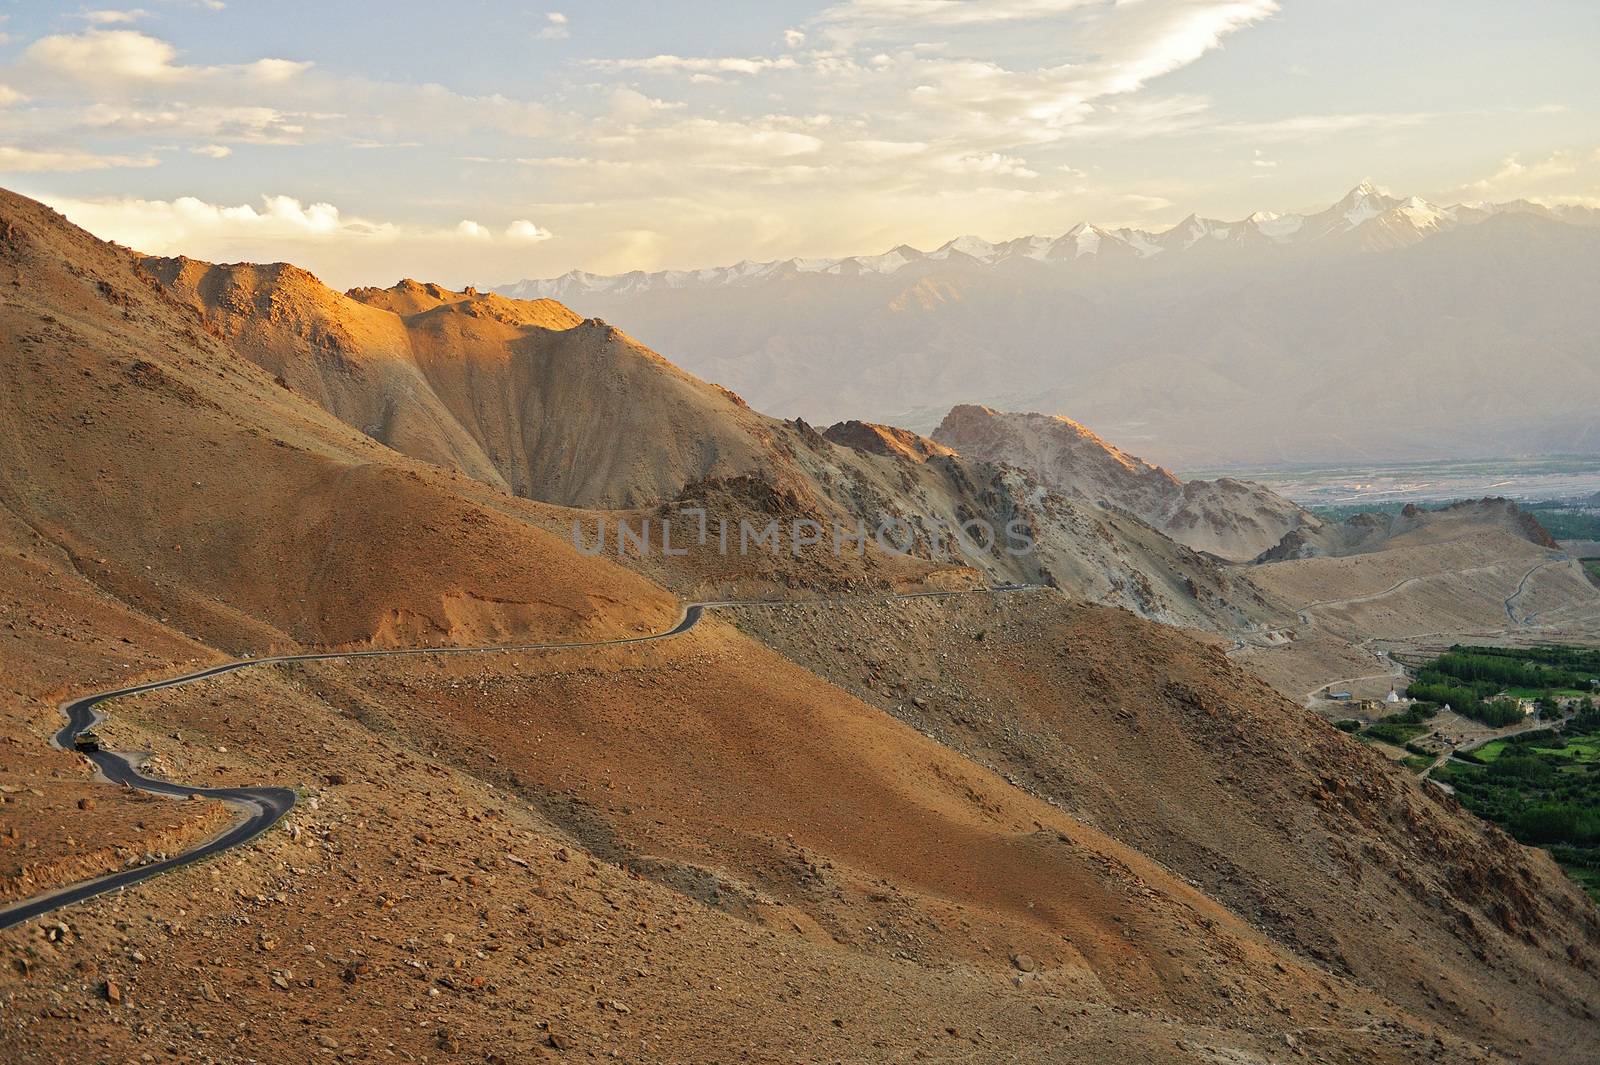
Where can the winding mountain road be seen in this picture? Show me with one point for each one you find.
(266, 806)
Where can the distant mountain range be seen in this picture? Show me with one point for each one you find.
(1380, 327)
(1383, 222)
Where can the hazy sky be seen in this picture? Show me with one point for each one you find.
(484, 142)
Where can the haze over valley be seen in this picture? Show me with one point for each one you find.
(1379, 329)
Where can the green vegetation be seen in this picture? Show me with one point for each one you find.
(1565, 520)
(1541, 785)
(1395, 732)
(1591, 566)
(1543, 795)
(1401, 728)
(1485, 683)
(1416, 762)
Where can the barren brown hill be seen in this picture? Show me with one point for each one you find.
(528, 397)
(885, 440)
(685, 850)
(1161, 743)
(1474, 571)
(1365, 533)
(524, 395)
(1232, 519)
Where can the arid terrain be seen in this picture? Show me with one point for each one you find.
(1055, 823)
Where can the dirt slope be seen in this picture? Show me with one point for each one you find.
(183, 480)
(1162, 744)
(1365, 533)
(530, 398)
(690, 850)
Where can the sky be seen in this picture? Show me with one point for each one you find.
(480, 143)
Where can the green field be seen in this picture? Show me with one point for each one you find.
(1397, 733)
(1490, 751)
(1542, 785)
(1544, 793)
(1582, 750)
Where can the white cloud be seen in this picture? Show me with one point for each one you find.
(794, 38)
(261, 125)
(212, 151)
(129, 83)
(128, 57)
(102, 56)
(1144, 204)
(1318, 127)
(702, 139)
(9, 96)
(555, 28)
(16, 159)
(630, 105)
(993, 163)
(342, 248)
(698, 64)
(188, 223)
(1553, 179)
(109, 17)
(524, 230)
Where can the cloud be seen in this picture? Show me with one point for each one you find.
(16, 159)
(697, 64)
(630, 105)
(1318, 127)
(555, 28)
(992, 163)
(102, 56)
(189, 223)
(128, 83)
(1550, 180)
(128, 57)
(258, 125)
(109, 18)
(524, 230)
(345, 249)
(9, 96)
(212, 151)
(1144, 204)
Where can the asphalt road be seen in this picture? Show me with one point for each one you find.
(265, 806)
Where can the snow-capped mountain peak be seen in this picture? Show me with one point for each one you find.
(1367, 215)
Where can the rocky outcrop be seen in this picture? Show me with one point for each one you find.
(1231, 519)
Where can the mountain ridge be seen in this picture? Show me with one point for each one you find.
(1235, 520)
(1403, 336)
(1398, 221)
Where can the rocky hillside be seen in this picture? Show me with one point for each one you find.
(1364, 533)
(630, 851)
(1232, 519)
(524, 395)
(530, 398)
